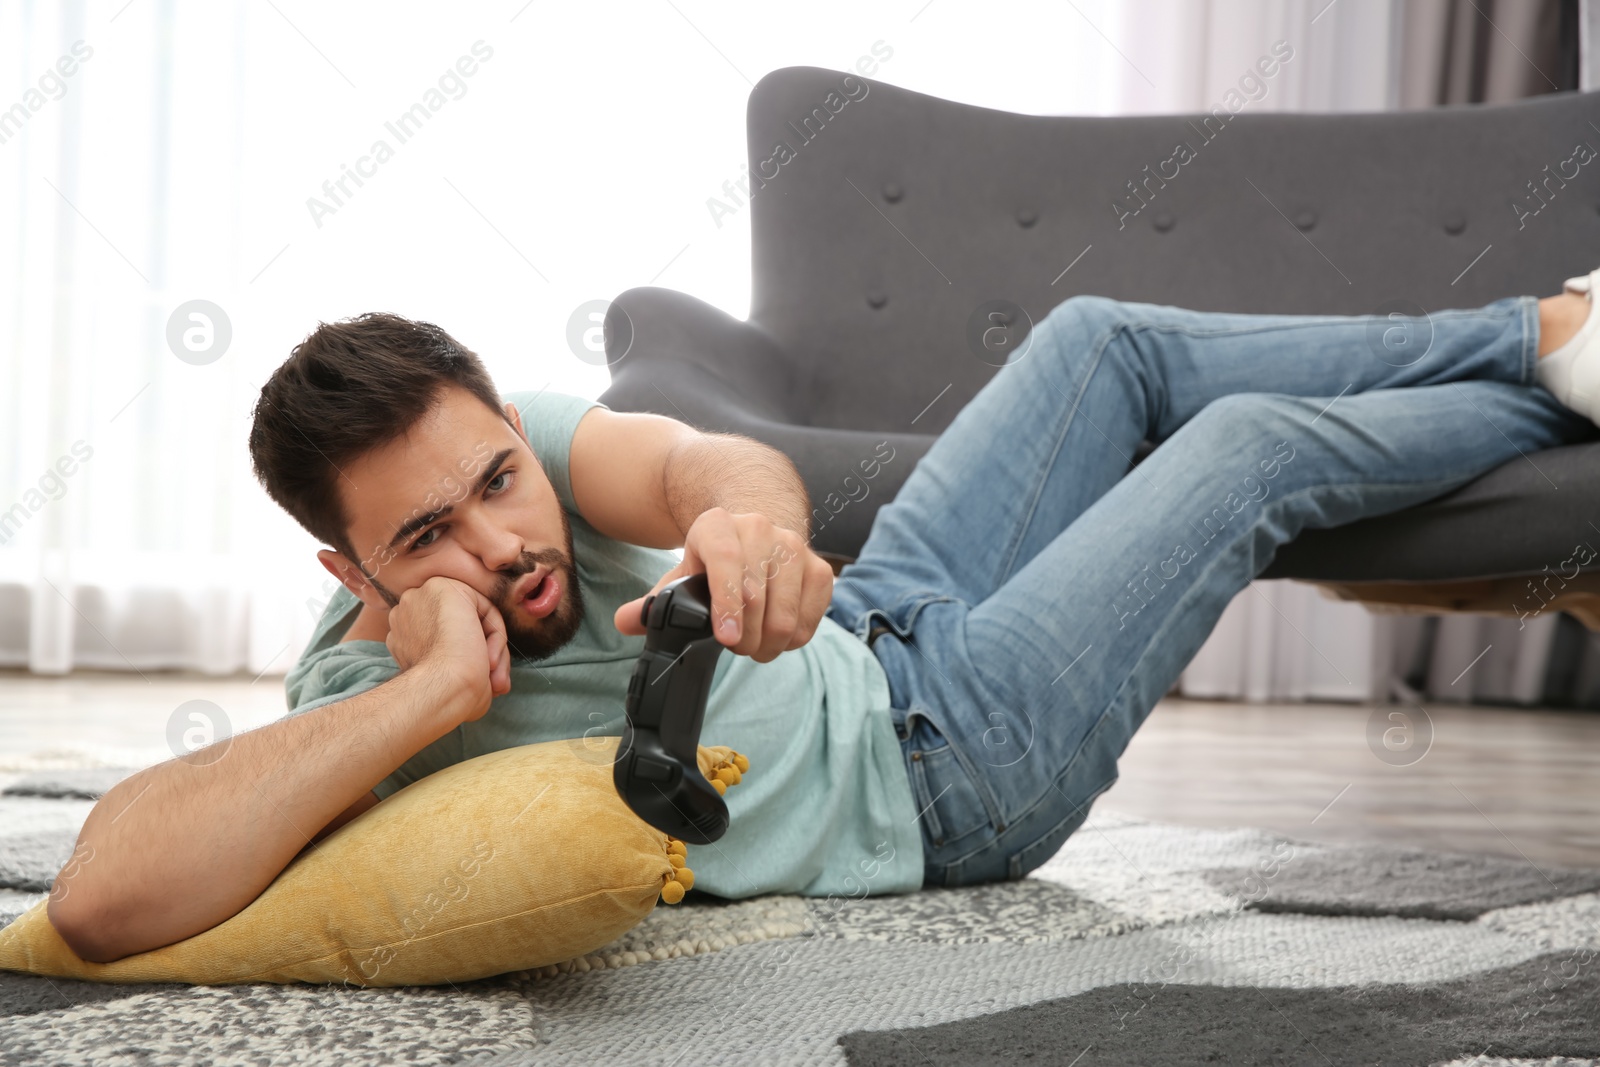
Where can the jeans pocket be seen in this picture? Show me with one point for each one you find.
(950, 805)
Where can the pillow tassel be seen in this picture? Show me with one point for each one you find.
(726, 772)
(682, 878)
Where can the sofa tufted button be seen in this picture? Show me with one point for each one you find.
(1454, 222)
(893, 193)
(1163, 221)
(1306, 219)
(1026, 217)
(877, 298)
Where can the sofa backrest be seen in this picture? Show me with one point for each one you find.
(884, 220)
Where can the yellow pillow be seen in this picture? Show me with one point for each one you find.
(509, 861)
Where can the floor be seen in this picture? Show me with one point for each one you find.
(1516, 782)
(1509, 781)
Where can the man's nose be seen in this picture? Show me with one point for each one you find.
(498, 547)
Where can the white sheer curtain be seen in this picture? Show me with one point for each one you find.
(160, 152)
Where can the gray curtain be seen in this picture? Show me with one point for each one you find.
(1465, 52)
(1477, 51)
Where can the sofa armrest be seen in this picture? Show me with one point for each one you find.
(687, 359)
(695, 363)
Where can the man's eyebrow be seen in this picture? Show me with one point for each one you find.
(411, 526)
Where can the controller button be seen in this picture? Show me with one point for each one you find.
(687, 617)
(652, 770)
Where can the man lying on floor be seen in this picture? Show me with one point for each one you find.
(945, 714)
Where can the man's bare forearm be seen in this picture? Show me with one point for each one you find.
(737, 473)
(182, 846)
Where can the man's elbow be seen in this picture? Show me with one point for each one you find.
(83, 928)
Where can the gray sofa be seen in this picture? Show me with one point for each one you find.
(892, 216)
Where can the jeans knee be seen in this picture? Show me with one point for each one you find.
(1262, 431)
(1075, 326)
(1238, 417)
(1086, 310)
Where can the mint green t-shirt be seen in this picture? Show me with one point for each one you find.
(826, 807)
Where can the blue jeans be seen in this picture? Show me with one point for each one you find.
(1031, 598)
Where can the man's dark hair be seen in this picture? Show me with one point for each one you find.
(348, 388)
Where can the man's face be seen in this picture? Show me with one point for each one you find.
(504, 521)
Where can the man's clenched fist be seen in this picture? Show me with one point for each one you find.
(450, 627)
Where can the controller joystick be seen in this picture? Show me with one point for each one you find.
(657, 773)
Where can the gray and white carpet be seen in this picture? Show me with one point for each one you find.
(1138, 943)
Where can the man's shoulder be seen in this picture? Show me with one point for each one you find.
(547, 400)
(331, 664)
(549, 422)
(337, 672)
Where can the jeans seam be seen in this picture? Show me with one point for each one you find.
(1099, 347)
(1014, 856)
(979, 784)
(996, 842)
(1530, 339)
(1320, 321)
(1077, 756)
(919, 786)
(914, 607)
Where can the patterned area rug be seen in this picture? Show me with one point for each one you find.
(1138, 942)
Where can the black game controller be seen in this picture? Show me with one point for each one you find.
(656, 773)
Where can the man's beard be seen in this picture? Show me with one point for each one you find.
(541, 638)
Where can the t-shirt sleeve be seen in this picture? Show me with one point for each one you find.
(549, 420)
(338, 673)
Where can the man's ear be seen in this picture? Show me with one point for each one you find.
(350, 576)
(516, 419)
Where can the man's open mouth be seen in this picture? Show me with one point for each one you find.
(543, 594)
